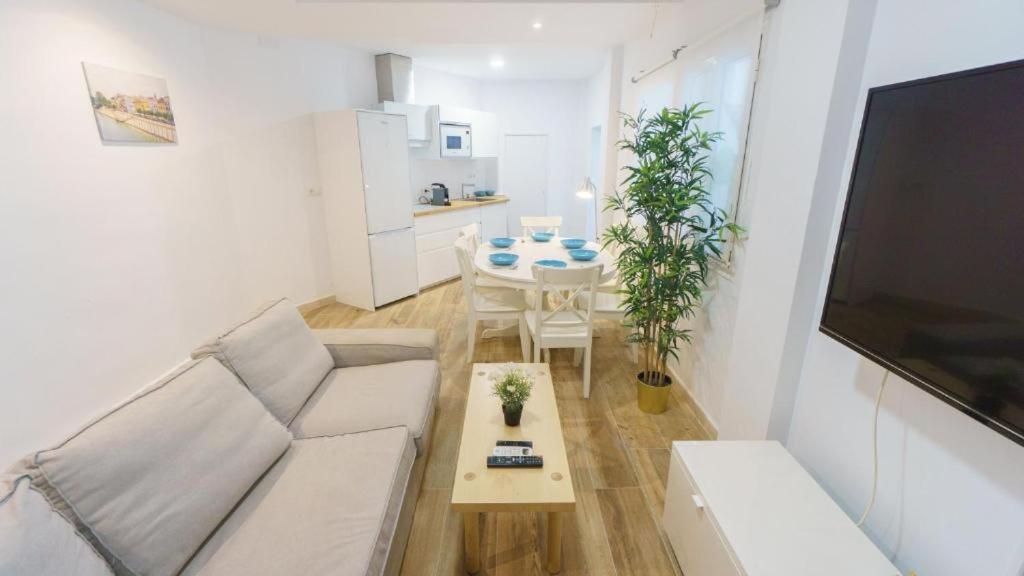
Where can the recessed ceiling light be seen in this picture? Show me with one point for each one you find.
(497, 62)
(537, 25)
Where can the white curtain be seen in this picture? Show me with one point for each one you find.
(718, 71)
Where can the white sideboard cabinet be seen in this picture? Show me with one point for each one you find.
(738, 508)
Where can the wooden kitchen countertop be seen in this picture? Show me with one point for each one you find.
(430, 210)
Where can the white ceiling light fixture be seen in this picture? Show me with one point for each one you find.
(537, 24)
(497, 62)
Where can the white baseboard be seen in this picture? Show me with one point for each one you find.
(705, 421)
(307, 307)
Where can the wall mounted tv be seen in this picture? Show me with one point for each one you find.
(928, 274)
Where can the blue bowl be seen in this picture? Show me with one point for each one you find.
(503, 258)
(502, 242)
(551, 263)
(487, 192)
(542, 236)
(583, 255)
(480, 193)
(574, 243)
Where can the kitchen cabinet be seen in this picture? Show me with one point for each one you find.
(436, 234)
(421, 120)
(494, 220)
(455, 115)
(485, 134)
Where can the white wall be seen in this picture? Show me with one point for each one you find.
(554, 108)
(951, 491)
(118, 260)
(432, 86)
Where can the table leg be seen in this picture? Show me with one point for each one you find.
(472, 530)
(554, 542)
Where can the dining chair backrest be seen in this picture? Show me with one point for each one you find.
(533, 224)
(472, 232)
(465, 258)
(564, 288)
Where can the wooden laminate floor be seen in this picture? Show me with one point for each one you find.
(619, 455)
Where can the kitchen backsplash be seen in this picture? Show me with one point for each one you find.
(453, 173)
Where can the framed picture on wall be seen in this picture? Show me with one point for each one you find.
(130, 108)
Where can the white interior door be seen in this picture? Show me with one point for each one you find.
(524, 173)
(384, 151)
(393, 260)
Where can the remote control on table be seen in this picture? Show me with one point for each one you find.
(512, 451)
(522, 443)
(515, 461)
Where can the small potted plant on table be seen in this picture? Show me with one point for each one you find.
(512, 385)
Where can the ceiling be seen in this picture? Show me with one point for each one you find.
(458, 37)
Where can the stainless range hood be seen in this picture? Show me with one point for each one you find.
(395, 94)
(394, 78)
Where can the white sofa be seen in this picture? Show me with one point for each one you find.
(276, 450)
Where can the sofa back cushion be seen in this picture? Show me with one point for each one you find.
(276, 355)
(34, 539)
(154, 477)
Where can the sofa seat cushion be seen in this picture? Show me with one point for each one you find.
(152, 479)
(36, 540)
(276, 355)
(364, 398)
(329, 506)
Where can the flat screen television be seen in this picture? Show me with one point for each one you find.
(928, 274)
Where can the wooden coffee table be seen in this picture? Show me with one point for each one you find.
(480, 489)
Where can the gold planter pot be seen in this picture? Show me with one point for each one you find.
(652, 399)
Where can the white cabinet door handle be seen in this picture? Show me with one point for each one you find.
(698, 502)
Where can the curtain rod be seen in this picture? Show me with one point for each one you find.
(645, 73)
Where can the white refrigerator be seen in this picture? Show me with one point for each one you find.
(364, 166)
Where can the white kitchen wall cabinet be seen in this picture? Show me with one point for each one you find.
(455, 115)
(421, 120)
(485, 134)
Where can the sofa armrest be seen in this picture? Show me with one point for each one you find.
(359, 347)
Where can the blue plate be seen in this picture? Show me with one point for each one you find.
(583, 255)
(503, 258)
(551, 263)
(574, 243)
(502, 242)
(542, 236)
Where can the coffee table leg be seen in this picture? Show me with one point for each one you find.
(471, 520)
(554, 542)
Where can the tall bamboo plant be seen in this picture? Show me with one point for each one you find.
(670, 232)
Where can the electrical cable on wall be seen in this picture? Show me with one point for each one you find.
(874, 452)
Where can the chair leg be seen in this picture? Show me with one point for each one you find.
(524, 338)
(536, 350)
(547, 355)
(576, 354)
(470, 338)
(586, 372)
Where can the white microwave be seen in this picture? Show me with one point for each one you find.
(456, 141)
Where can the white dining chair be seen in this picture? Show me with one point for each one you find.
(566, 324)
(533, 224)
(488, 303)
(472, 232)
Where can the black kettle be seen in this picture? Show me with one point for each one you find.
(439, 195)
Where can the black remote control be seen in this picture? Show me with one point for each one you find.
(520, 443)
(515, 461)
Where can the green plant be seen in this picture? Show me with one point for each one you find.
(512, 385)
(670, 231)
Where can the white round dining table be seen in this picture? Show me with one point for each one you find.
(520, 275)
